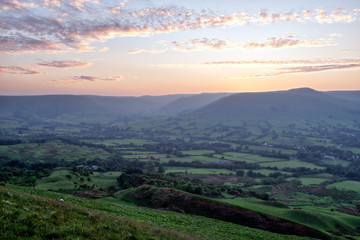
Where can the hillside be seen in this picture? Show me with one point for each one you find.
(188, 103)
(297, 103)
(23, 208)
(175, 200)
(301, 103)
(79, 106)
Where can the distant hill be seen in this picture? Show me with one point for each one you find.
(346, 95)
(302, 103)
(84, 106)
(188, 103)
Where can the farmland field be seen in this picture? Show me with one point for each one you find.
(348, 185)
(290, 164)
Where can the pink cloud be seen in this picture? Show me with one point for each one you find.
(18, 70)
(72, 25)
(64, 64)
(84, 78)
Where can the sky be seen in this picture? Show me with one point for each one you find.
(158, 47)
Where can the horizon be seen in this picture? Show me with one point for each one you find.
(137, 48)
(147, 95)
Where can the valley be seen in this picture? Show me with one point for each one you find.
(293, 156)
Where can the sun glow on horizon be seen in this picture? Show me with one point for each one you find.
(156, 48)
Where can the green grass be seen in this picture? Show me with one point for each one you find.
(55, 150)
(104, 180)
(59, 180)
(347, 185)
(319, 218)
(336, 162)
(199, 170)
(26, 216)
(250, 158)
(198, 152)
(311, 181)
(291, 164)
(353, 149)
(117, 142)
(270, 149)
(197, 226)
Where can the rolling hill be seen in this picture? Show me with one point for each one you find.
(304, 103)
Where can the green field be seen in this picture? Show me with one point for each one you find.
(347, 185)
(250, 158)
(311, 181)
(291, 164)
(353, 149)
(336, 162)
(197, 152)
(270, 149)
(199, 170)
(60, 180)
(55, 150)
(118, 142)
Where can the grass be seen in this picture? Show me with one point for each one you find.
(291, 164)
(198, 152)
(27, 216)
(336, 162)
(270, 149)
(199, 170)
(353, 149)
(106, 179)
(347, 185)
(55, 150)
(311, 181)
(319, 218)
(187, 225)
(59, 180)
(250, 158)
(118, 142)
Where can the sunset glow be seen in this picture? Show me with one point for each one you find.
(135, 47)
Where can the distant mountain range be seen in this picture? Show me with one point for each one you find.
(295, 103)
(302, 103)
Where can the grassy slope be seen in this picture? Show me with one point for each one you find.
(33, 217)
(88, 219)
(316, 217)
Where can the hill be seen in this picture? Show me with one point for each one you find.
(34, 214)
(79, 106)
(303, 103)
(188, 103)
(175, 200)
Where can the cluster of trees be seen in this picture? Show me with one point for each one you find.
(21, 176)
(135, 177)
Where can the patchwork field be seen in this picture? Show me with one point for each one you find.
(347, 185)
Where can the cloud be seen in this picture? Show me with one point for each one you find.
(73, 25)
(18, 70)
(286, 62)
(15, 5)
(287, 42)
(137, 51)
(318, 68)
(199, 44)
(294, 66)
(338, 16)
(83, 78)
(219, 44)
(64, 64)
